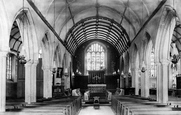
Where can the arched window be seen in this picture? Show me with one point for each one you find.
(95, 57)
(152, 64)
(9, 67)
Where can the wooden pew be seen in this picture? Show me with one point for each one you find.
(136, 106)
(66, 106)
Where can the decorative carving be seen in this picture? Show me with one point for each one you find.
(96, 79)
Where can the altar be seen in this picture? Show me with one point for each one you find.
(99, 91)
(96, 88)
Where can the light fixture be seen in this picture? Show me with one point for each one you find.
(175, 58)
(143, 68)
(54, 67)
(174, 54)
(66, 71)
(22, 59)
(129, 72)
(118, 71)
(122, 73)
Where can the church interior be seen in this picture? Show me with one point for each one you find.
(90, 57)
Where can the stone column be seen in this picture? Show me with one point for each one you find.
(133, 77)
(121, 81)
(164, 82)
(47, 83)
(33, 80)
(158, 80)
(142, 84)
(50, 77)
(136, 81)
(3, 81)
(30, 82)
(146, 84)
(170, 76)
(127, 80)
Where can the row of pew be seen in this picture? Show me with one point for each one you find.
(64, 106)
(134, 105)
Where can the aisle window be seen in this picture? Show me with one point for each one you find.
(152, 64)
(9, 67)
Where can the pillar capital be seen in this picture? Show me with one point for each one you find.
(46, 68)
(35, 62)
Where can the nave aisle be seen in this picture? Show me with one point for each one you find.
(103, 110)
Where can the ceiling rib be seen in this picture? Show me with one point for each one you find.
(70, 12)
(123, 15)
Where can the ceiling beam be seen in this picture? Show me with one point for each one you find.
(110, 29)
(47, 23)
(83, 26)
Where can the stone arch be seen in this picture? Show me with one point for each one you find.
(126, 62)
(136, 69)
(45, 43)
(165, 32)
(162, 51)
(28, 32)
(64, 60)
(148, 48)
(136, 55)
(58, 56)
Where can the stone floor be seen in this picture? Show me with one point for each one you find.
(103, 110)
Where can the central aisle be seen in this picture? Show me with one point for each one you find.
(103, 110)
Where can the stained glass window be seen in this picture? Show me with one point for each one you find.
(95, 57)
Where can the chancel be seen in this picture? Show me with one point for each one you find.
(90, 57)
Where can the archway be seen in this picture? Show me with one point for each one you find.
(162, 52)
(29, 50)
(136, 71)
(4, 48)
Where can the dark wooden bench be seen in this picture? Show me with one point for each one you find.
(125, 105)
(65, 106)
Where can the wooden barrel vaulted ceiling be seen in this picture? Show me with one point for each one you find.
(97, 28)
